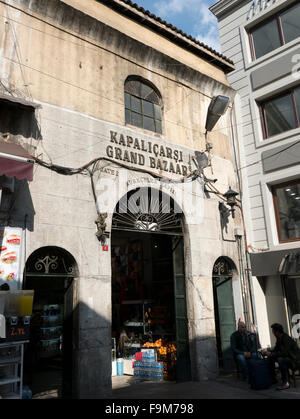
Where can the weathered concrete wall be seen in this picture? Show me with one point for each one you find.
(86, 73)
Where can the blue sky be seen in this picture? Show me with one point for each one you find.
(191, 16)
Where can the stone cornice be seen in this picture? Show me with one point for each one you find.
(224, 6)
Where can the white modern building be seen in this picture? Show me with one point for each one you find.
(262, 39)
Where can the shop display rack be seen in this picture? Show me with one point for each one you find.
(143, 323)
(51, 331)
(12, 360)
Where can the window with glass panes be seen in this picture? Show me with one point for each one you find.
(280, 29)
(142, 106)
(287, 210)
(281, 113)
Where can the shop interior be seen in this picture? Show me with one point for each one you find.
(44, 357)
(143, 301)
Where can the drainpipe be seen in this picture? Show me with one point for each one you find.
(244, 287)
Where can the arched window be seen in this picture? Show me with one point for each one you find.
(142, 106)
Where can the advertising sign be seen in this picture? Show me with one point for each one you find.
(10, 257)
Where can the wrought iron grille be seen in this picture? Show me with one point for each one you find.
(148, 210)
(222, 267)
(50, 261)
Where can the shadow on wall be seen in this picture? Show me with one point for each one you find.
(20, 120)
(17, 208)
(83, 368)
(86, 364)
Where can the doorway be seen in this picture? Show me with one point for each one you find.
(224, 312)
(50, 272)
(148, 283)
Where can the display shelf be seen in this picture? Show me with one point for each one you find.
(50, 327)
(50, 340)
(10, 396)
(8, 361)
(12, 380)
(15, 363)
(12, 343)
(134, 324)
(132, 345)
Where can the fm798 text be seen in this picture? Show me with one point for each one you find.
(173, 408)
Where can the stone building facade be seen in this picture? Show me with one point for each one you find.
(69, 63)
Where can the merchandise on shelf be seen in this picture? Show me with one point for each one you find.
(51, 330)
(51, 321)
(51, 346)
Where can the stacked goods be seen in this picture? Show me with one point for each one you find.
(156, 344)
(169, 349)
(146, 368)
(148, 355)
(167, 355)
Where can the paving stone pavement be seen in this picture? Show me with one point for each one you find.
(226, 387)
(125, 387)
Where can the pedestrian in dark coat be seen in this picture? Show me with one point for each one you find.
(286, 353)
(244, 346)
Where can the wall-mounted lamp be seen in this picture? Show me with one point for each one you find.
(217, 108)
(230, 196)
(201, 160)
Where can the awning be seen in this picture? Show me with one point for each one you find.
(280, 262)
(15, 161)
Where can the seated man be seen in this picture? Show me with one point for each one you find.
(244, 347)
(286, 353)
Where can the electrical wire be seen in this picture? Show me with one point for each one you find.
(69, 171)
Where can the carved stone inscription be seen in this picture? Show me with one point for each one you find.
(147, 153)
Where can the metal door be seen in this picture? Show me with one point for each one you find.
(225, 317)
(183, 366)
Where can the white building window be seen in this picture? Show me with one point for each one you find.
(280, 29)
(287, 210)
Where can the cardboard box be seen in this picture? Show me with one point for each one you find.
(128, 367)
(114, 369)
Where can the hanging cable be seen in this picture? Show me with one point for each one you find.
(69, 171)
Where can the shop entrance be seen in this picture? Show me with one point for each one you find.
(224, 312)
(50, 272)
(148, 282)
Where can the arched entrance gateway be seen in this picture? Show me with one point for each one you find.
(50, 272)
(148, 280)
